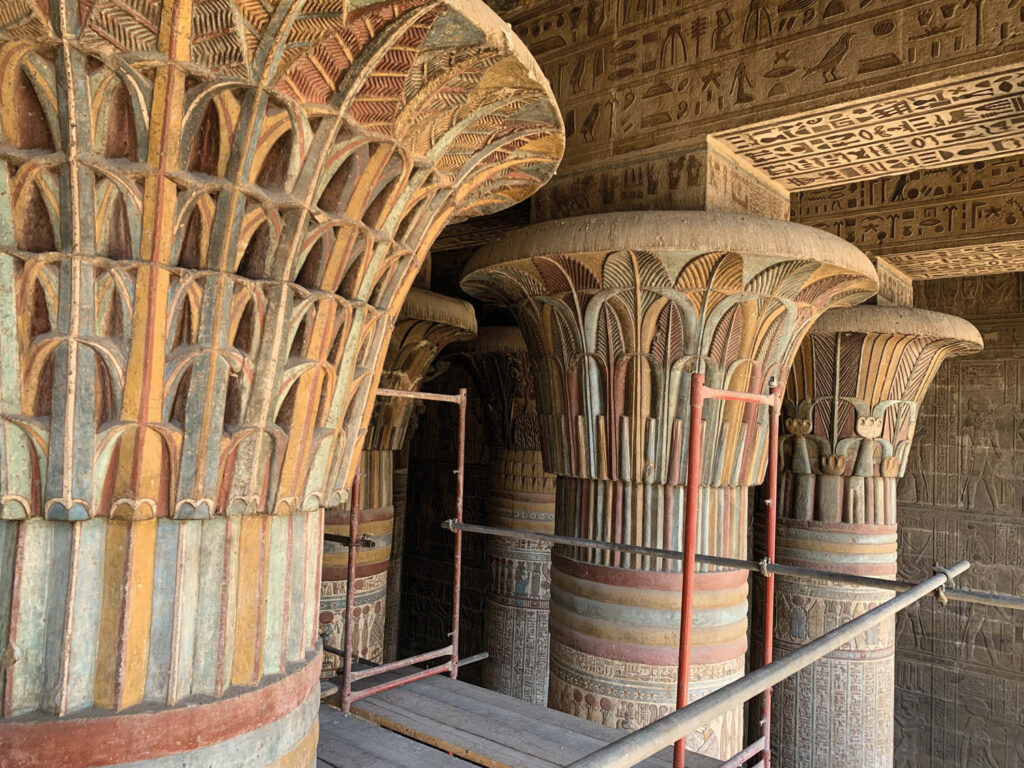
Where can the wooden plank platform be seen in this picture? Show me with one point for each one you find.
(351, 742)
(494, 730)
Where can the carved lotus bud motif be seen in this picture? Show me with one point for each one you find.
(890, 467)
(799, 427)
(832, 464)
(869, 427)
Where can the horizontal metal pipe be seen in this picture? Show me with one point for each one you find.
(799, 572)
(986, 598)
(641, 744)
(339, 538)
(741, 757)
(419, 395)
(400, 681)
(793, 571)
(740, 397)
(391, 666)
(482, 656)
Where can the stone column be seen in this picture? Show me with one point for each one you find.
(210, 215)
(521, 496)
(617, 310)
(852, 402)
(427, 323)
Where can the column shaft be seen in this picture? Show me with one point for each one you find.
(857, 382)
(521, 496)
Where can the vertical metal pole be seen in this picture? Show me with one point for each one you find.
(769, 582)
(693, 472)
(460, 486)
(350, 589)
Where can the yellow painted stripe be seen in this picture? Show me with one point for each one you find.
(111, 605)
(658, 636)
(252, 574)
(139, 614)
(366, 557)
(304, 753)
(665, 600)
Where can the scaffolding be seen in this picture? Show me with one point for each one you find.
(451, 651)
(673, 728)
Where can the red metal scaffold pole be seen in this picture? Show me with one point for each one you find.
(451, 665)
(693, 470)
(699, 393)
(460, 485)
(769, 581)
(350, 590)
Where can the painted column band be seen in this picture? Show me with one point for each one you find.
(108, 740)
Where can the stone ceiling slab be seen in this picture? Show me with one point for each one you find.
(967, 219)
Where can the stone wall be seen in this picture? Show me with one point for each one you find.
(960, 668)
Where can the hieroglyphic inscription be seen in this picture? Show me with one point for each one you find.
(976, 116)
(895, 288)
(702, 177)
(960, 668)
(632, 75)
(966, 219)
(994, 259)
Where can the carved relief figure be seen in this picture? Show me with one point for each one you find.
(980, 455)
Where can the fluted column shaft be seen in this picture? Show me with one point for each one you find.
(852, 403)
(426, 324)
(617, 311)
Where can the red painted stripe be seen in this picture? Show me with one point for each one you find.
(636, 579)
(654, 655)
(108, 740)
(340, 572)
(837, 528)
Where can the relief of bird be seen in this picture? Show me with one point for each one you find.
(833, 57)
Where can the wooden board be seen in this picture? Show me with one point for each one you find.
(495, 730)
(351, 742)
